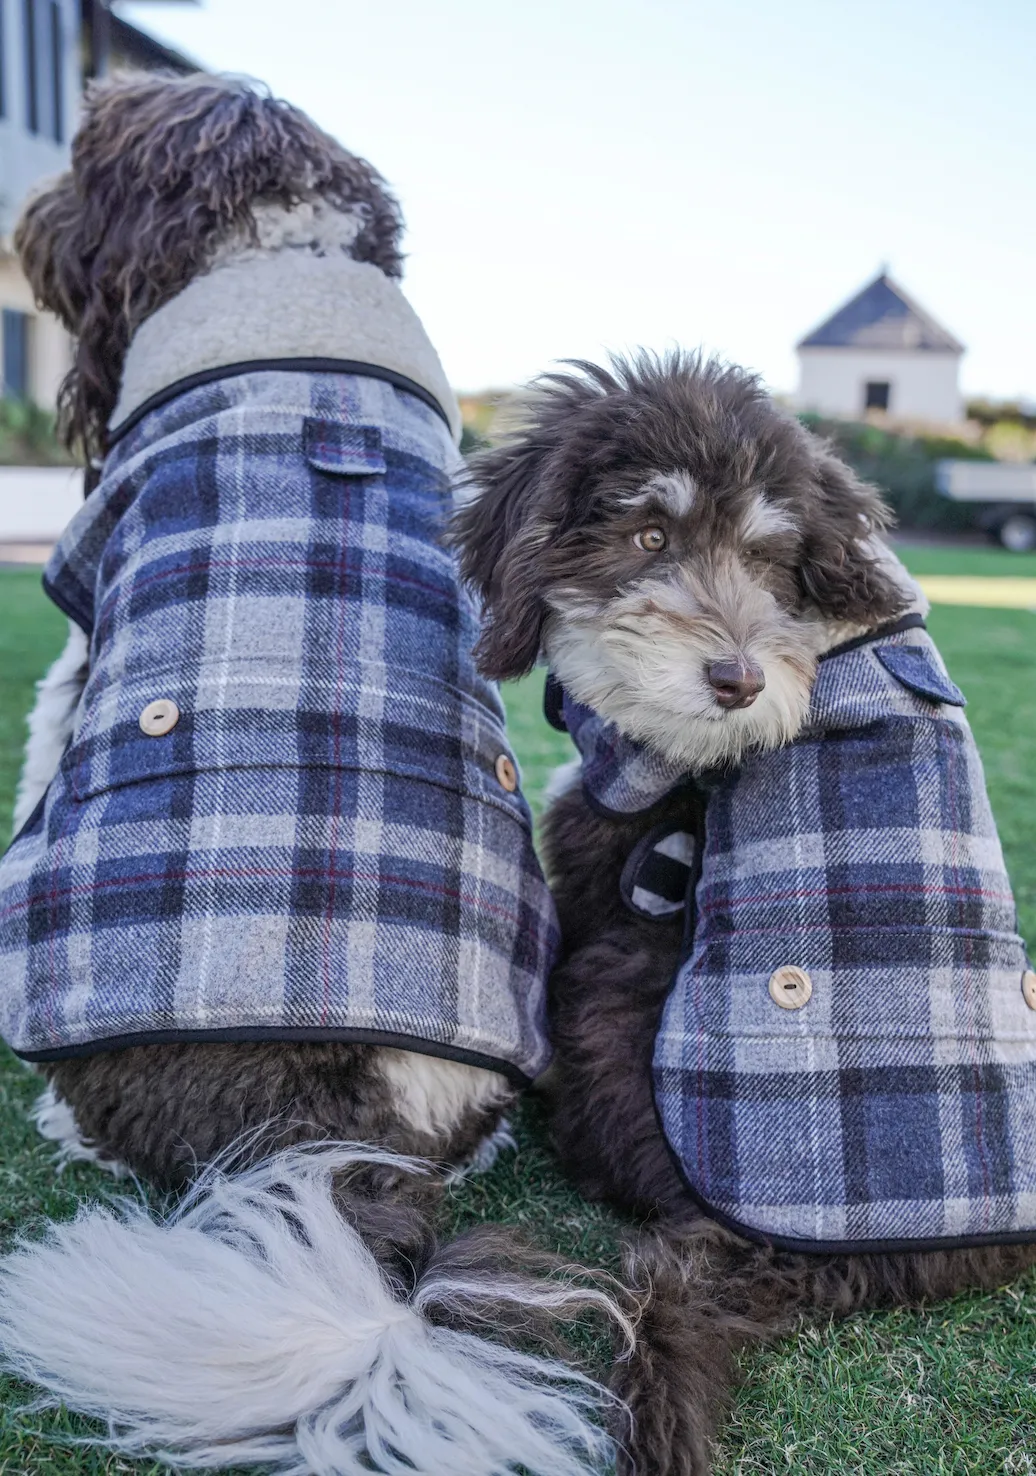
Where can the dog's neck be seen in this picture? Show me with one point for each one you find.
(292, 292)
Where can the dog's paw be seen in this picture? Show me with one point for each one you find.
(55, 1121)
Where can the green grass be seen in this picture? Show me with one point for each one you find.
(985, 561)
(950, 1390)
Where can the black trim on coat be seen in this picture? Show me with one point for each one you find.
(259, 366)
(66, 607)
(828, 1247)
(37, 811)
(249, 1034)
(913, 621)
(554, 703)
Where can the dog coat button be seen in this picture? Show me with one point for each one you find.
(159, 717)
(1029, 988)
(506, 773)
(790, 987)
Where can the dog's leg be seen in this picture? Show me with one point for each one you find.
(606, 998)
(56, 1122)
(683, 1371)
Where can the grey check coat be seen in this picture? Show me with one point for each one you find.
(320, 847)
(895, 1106)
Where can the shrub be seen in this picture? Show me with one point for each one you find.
(28, 436)
(904, 468)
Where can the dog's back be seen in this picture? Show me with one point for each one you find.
(286, 766)
(281, 889)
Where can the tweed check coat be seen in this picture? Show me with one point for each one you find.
(326, 841)
(847, 1057)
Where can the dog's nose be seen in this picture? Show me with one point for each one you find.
(736, 683)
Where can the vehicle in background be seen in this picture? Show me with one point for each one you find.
(1003, 494)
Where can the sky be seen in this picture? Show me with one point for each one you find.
(580, 176)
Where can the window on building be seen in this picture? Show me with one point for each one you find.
(44, 68)
(15, 382)
(876, 394)
(32, 100)
(3, 60)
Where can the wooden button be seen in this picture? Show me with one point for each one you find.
(1029, 988)
(506, 773)
(159, 717)
(790, 987)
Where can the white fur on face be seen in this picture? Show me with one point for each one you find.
(763, 519)
(675, 491)
(641, 659)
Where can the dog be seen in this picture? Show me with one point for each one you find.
(272, 926)
(790, 983)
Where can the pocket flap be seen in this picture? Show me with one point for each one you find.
(158, 727)
(346, 450)
(914, 668)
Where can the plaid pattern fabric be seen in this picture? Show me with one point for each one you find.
(320, 847)
(898, 1105)
(620, 777)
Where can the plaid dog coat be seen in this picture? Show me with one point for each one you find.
(847, 1057)
(288, 809)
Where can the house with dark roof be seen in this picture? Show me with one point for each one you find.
(881, 352)
(48, 49)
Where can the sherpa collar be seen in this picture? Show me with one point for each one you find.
(269, 306)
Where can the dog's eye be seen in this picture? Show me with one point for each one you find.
(651, 540)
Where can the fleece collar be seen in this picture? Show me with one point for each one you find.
(285, 304)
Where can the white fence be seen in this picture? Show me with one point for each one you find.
(36, 502)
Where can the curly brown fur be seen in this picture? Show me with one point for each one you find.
(748, 502)
(164, 169)
(162, 1110)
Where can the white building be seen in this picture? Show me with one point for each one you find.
(39, 91)
(881, 352)
(44, 46)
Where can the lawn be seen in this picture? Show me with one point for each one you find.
(951, 1390)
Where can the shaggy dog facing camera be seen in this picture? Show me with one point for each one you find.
(794, 1025)
(273, 889)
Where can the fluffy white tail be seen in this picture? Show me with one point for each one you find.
(253, 1325)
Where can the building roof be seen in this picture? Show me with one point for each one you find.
(882, 316)
(131, 45)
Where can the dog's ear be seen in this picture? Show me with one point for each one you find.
(502, 535)
(46, 239)
(841, 572)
